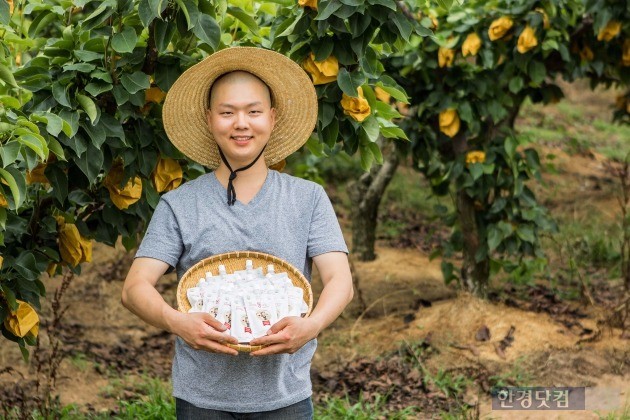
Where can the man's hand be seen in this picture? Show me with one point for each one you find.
(202, 331)
(287, 336)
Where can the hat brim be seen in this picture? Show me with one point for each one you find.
(186, 103)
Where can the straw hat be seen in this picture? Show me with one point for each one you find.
(295, 100)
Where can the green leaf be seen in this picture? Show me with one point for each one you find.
(17, 192)
(526, 233)
(7, 76)
(391, 4)
(42, 20)
(84, 55)
(537, 72)
(80, 67)
(36, 143)
(96, 133)
(376, 151)
(112, 126)
(54, 124)
(10, 102)
(5, 17)
(396, 94)
(150, 9)
(476, 170)
(26, 266)
(158, 6)
(350, 82)
(88, 106)
(97, 87)
(135, 82)
(371, 128)
(71, 118)
(150, 193)
(464, 111)
(445, 4)
(207, 29)
(510, 146)
(184, 8)
(6, 127)
(241, 15)
(60, 93)
(125, 41)
(331, 7)
(366, 158)
(56, 148)
(393, 133)
(516, 84)
(120, 94)
(164, 31)
(59, 181)
(9, 152)
(403, 25)
(315, 146)
(494, 238)
(533, 162)
(91, 163)
(370, 64)
(386, 111)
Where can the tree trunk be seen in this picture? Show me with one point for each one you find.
(475, 274)
(365, 195)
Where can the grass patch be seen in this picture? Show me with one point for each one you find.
(518, 375)
(574, 129)
(334, 408)
(623, 415)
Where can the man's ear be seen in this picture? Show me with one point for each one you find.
(273, 118)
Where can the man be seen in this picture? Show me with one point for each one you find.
(238, 105)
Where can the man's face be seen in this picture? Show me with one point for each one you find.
(240, 117)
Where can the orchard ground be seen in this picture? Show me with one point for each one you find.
(409, 345)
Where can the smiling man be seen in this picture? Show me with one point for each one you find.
(238, 112)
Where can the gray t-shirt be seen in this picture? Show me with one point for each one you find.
(290, 218)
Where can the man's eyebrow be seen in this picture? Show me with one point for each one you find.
(224, 105)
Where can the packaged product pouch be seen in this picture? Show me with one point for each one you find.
(251, 275)
(241, 328)
(271, 271)
(211, 302)
(194, 295)
(281, 280)
(296, 301)
(261, 312)
(282, 303)
(224, 314)
(197, 307)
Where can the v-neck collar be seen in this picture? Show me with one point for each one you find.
(260, 195)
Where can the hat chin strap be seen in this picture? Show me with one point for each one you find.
(231, 192)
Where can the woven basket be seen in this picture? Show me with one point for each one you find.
(234, 261)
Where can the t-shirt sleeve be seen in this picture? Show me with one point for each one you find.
(163, 239)
(324, 233)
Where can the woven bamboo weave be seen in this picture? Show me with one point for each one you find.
(235, 261)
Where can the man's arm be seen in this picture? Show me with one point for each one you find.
(139, 295)
(289, 334)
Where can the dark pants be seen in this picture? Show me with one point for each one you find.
(302, 410)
